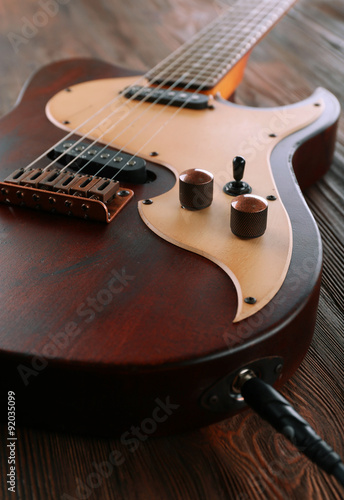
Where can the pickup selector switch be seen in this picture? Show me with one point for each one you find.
(238, 186)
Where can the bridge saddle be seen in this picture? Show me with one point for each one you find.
(66, 193)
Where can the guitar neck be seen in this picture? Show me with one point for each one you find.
(202, 62)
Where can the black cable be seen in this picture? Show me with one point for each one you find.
(339, 473)
(276, 410)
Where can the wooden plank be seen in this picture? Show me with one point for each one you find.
(239, 458)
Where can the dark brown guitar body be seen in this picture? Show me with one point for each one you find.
(101, 324)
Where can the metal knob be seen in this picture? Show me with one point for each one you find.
(196, 189)
(249, 216)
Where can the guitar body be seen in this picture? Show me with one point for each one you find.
(101, 324)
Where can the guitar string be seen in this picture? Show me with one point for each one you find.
(141, 79)
(183, 54)
(205, 31)
(146, 125)
(244, 43)
(127, 127)
(233, 29)
(154, 135)
(146, 109)
(288, 3)
(163, 83)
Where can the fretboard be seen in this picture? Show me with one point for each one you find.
(205, 59)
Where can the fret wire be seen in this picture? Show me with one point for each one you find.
(166, 122)
(200, 87)
(249, 40)
(180, 51)
(245, 43)
(199, 39)
(159, 113)
(233, 27)
(144, 112)
(220, 54)
(223, 59)
(161, 110)
(183, 49)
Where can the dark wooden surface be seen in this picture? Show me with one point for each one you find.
(240, 458)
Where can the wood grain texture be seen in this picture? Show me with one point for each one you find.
(239, 458)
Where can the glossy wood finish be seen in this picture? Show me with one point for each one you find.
(189, 457)
(100, 299)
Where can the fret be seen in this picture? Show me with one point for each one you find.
(209, 55)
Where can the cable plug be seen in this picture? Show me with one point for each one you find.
(276, 410)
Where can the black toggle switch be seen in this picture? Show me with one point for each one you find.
(238, 186)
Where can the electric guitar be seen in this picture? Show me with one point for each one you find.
(154, 238)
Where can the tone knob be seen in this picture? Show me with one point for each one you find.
(249, 216)
(196, 189)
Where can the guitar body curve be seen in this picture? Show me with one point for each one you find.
(103, 323)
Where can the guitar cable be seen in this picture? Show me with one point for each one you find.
(278, 412)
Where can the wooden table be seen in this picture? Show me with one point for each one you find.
(241, 458)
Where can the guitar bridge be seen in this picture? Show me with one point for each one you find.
(75, 195)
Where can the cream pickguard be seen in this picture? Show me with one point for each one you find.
(206, 139)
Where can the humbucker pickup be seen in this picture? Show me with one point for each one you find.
(177, 98)
(88, 159)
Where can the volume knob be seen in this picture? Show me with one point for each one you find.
(249, 216)
(196, 189)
